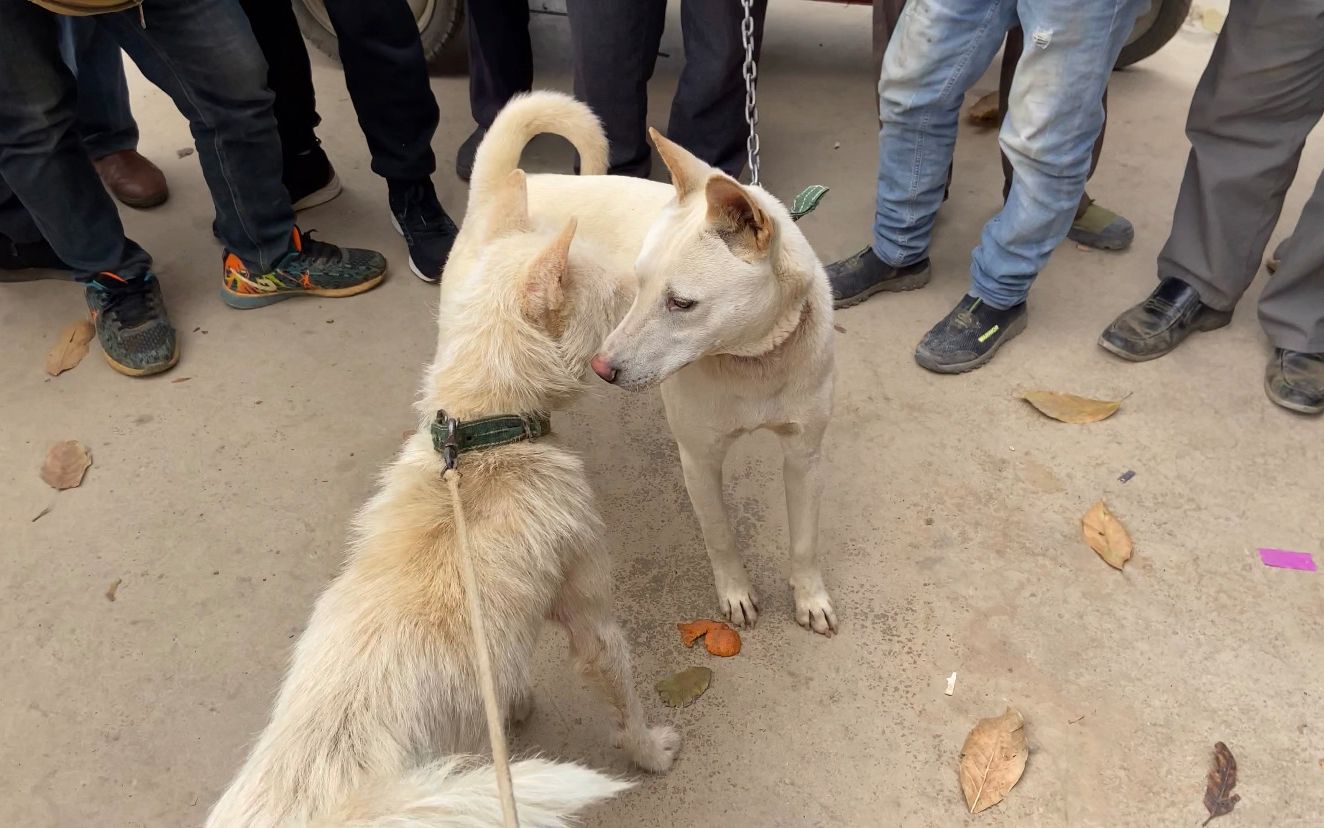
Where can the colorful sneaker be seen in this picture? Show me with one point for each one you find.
(132, 326)
(428, 231)
(311, 268)
(969, 336)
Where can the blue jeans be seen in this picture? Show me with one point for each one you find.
(940, 48)
(201, 53)
(105, 120)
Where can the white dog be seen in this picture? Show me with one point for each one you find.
(383, 688)
(733, 316)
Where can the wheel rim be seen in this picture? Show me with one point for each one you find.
(1145, 21)
(423, 11)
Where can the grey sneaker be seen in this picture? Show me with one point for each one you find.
(132, 326)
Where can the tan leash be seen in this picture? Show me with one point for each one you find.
(496, 733)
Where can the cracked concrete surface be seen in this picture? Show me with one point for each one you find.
(950, 526)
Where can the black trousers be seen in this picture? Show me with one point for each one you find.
(615, 50)
(500, 55)
(385, 72)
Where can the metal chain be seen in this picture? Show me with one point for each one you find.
(751, 104)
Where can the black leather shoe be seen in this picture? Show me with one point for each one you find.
(1160, 323)
(1295, 380)
(855, 279)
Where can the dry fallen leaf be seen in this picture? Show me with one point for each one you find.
(1106, 535)
(984, 111)
(65, 465)
(680, 689)
(692, 631)
(181, 379)
(1218, 796)
(992, 760)
(1068, 408)
(114, 588)
(71, 347)
(722, 641)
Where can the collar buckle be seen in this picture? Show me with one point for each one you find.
(450, 448)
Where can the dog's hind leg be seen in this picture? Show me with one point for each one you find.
(701, 456)
(803, 477)
(601, 652)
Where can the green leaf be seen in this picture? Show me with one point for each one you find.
(681, 689)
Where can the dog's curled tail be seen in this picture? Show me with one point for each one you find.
(456, 792)
(526, 116)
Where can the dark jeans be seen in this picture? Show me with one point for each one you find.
(886, 13)
(289, 74)
(387, 77)
(202, 54)
(500, 56)
(615, 50)
(105, 120)
(385, 72)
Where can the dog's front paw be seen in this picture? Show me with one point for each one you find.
(739, 604)
(813, 611)
(656, 748)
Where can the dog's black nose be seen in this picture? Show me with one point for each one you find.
(603, 368)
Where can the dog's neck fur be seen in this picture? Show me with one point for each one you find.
(790, 322)
(492, 361)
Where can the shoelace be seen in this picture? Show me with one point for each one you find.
(132, 302)
(318, 251)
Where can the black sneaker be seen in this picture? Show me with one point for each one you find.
(464, 157)
(855, 279)
(37, 255)
(310, 178)
(130, 317)
(428, 231)
(969, 336)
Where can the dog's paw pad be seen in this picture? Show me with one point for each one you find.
(813, 611)
(658, 750)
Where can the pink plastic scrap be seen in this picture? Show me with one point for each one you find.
(1284, 559)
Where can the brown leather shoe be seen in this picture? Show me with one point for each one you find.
(132, 179)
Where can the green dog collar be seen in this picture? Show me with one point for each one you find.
(451, 438)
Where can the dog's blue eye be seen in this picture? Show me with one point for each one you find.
(675, 303)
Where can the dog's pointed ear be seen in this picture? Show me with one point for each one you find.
(735, 216)
(507, 210)
(545, 278)
(687, 172)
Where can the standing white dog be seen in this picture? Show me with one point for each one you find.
(383, 687)
(733, 316)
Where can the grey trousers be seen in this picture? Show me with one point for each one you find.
(615, 49)
(1258, 100)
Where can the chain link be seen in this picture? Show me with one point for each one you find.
(751, 72)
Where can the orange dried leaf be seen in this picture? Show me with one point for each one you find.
(722, 641)
(694, 630)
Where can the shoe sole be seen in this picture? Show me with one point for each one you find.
(1096, 241)
(1291, 406)
(319, 196)
(1013, 330)
(145, 203)
(246, 301)
(1117, 351)
(914, 281)
(413, 268)
(130, 371)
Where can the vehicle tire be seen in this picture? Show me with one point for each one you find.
(439, 22)
(1153, 30)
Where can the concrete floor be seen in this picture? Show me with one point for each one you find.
(950, 526)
